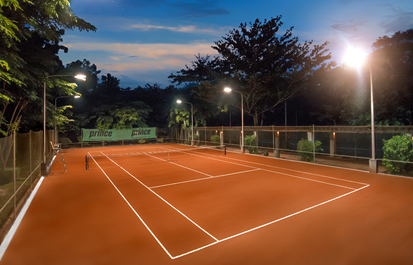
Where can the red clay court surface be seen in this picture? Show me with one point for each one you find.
(212, 209)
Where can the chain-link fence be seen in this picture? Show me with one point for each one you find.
(21, 156)
(341, 146)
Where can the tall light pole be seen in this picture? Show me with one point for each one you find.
(228, 90)
(43, 166)
(356, 58)
(55, 109)
(192, 117)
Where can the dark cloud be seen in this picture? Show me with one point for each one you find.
(400, 21)
(348, 26)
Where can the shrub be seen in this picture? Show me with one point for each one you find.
(215, 139)
(265, 153)
(399, 148)
(251, 143)
(160, 140)
(65, 141)
(306, 148)
(142, 141)
(196, 140)
(188, 142)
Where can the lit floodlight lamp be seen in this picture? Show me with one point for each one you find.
(80, 77)
(192, 118)
(355, 57)
(227, 89)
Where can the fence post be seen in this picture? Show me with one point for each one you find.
(332, 144)
(277, 145)
(30, 157)
(221, 137)
(14, 177)
(313, 144)
(205, 134)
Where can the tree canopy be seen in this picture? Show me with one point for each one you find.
(267, 68)
(343, 96)
(30, 34)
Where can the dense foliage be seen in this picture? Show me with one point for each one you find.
(398, 148)
(259, 63)
(342, 97)
(306, 149)
(264, 63)
(250, 142)
(30, 34)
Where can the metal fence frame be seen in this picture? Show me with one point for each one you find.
(21, 156)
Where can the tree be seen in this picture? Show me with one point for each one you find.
(180, 118)
(159, 99)
(265, 67)
(392, 65)
(343, 96)
(120, 116)
(30, 32)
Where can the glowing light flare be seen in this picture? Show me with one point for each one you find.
(179, 101)
(227, 90)
(80, 77)
(77, 96)
(355, 57)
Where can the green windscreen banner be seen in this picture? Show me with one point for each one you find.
(117, 135)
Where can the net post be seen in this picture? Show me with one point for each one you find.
(86, 160)
(225, 150)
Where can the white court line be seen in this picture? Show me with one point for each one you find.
(281, 173)
(269, 223)
(274, 221)
(173, 207)
(298, 171)
(287, 169)
(18, 220)
(195, 180)
(123, 148)
(130, 206)
(148, 154)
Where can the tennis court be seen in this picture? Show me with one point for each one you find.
(176, 204)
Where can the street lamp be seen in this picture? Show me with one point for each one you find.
(55, 109)
(192, 118)
(228, 90)
(80, 77)
(356, 58)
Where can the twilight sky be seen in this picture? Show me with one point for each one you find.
(143, 41)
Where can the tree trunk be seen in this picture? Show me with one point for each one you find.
(255, 116)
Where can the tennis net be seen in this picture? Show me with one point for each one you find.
(141, 158)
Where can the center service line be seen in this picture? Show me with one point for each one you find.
(173, 207)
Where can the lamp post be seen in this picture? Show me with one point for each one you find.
(43, 166)
(55, 109)
(356, 58)
(192, 118)
(228, 90)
